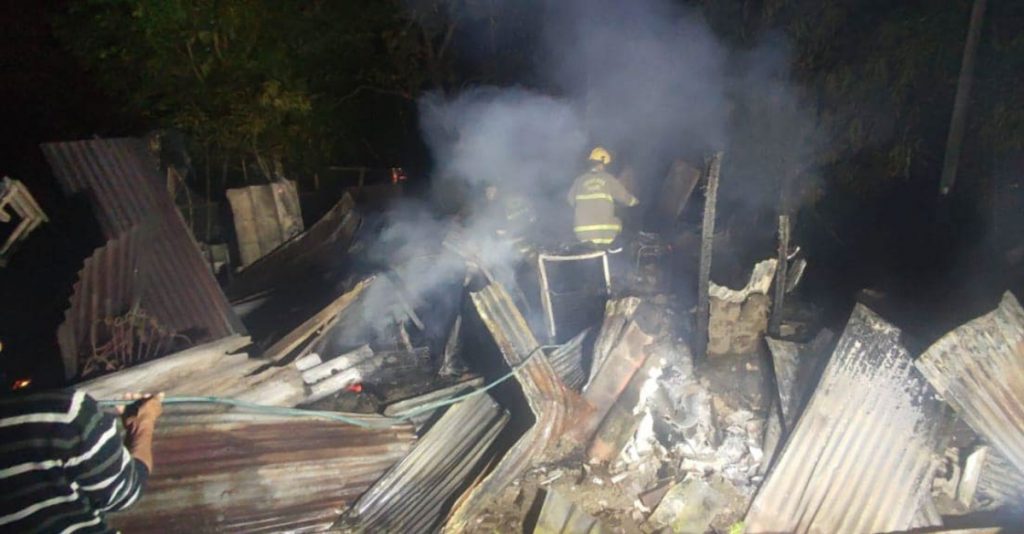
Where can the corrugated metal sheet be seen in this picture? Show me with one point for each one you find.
(411, 406)
(415, 495)
(567, 361)
(1000, 485)
(322, 245)
(562, 516)
(212, 369)
(979, 370)
(555, 407)
(797, 368)
(859, 458)
(107, 286)
(222, 471)
(121, 179)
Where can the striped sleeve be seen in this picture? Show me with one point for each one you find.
(101, 466)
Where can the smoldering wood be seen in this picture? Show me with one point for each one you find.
(328, 368)
(309, 327)
(389, 367)
(308, 362)
(405, 299)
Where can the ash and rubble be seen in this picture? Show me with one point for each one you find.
(477, 402)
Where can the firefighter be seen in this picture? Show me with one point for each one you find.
(593, 195)
(516, 217)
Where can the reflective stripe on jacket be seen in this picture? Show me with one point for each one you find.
(594, 195)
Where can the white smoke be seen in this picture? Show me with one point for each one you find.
(646, 79)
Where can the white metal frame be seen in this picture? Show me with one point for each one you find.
(545, 292)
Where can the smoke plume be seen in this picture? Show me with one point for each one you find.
(645, 78)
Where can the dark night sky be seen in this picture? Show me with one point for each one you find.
(44, 96)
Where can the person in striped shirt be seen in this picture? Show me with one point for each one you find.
(64, 465)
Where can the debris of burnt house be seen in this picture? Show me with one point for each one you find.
(860, 457)
(227, 471)
(19, 209)
(414, 494)
(265, 217)
(560, 515)
(417, 387)
(739, 318)
(979, 370)
(162, 292)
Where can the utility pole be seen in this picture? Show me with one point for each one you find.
(958, 123)
(707, 239)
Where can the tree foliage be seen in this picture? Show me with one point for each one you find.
(269, 82)
(266, 83)
(881, 77)
(222, 71)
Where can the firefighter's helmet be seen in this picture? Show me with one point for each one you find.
(600, 155)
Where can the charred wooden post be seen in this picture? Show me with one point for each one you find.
(781, 272)
(706, 244)
(958, 122)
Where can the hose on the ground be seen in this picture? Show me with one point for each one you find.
(377, 422)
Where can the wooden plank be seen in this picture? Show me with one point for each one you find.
(706, 243)
(293, 339)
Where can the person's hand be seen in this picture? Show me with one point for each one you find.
(144, 411)
(139, 420)
(141, 415)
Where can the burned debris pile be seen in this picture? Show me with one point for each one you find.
(444, 391)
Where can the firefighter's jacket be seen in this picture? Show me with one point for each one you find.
(518, 217)
(593, 195)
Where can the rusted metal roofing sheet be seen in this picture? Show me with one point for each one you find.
(107, 286)
(164, 267)
(416, 494)
(322, 245)
(978, 369)
(567, 360)
(555, 407)
(1000, 485)
(859, 458)
(220, 471)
